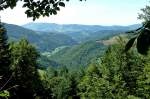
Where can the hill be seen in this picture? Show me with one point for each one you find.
(81, 33)
(77, 55)
(75, 27)
(44, 41)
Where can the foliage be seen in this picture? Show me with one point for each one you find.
(61, 83)
(142, 34)
(5, 61)
(4, 94)
(36, 8)
(24, 68)
(4, 52)
(144, 80)
(143, 38)
(78, 55)
(115, 76)
(145, 15)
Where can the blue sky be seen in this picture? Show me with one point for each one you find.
(90, 12)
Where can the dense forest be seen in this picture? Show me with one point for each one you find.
(114, 74)
(74, 61)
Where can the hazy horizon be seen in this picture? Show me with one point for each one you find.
(75, 24)
(95, 12)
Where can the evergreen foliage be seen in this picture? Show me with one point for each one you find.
(5, 60)
(24, 69)
(4, 52)
(116, 75)
(79, 55)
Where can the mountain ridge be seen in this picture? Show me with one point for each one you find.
(81, 33)
(43, 41)
(55, 27)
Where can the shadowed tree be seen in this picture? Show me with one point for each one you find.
(24, 68)
(4, 57)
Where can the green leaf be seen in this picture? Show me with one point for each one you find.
(61, 4)
(143, 42)
(57, 8)
(54, 12)
(129, 44)
(4, 93)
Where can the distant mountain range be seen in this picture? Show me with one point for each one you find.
(75, 27)
(81, 33)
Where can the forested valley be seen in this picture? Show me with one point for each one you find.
(74, 61)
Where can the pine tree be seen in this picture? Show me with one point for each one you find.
(4, 51)
(4, 56)
(24, 68)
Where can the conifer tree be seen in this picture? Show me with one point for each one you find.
(24, 68)
(4, 51)
(4, 56)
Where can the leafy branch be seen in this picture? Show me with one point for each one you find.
(142, 36)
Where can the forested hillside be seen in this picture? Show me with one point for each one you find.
(44, 41)
(77, 56)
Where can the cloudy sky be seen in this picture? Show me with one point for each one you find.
(90, 12)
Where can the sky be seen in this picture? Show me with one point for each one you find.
(89, 12)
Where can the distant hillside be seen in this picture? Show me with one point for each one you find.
(75, 27)
(84, 36)
(44, 41)
(78, 55)
(113, 40)
(81, 33)
(82, 54)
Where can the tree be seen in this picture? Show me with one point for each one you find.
(143, 80)
(142, 34)
(57, 84)
(36, 8)
(4, 51)
(4, 57)
(74, 79)
(24, 68)
(145, 15)
(115, 76)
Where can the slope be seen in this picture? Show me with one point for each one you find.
(44, 41)
(81, 33)
(78, 55)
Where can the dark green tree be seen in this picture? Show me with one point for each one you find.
(114, 76)
(4, 57)
(74, 79)
(24, 68)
